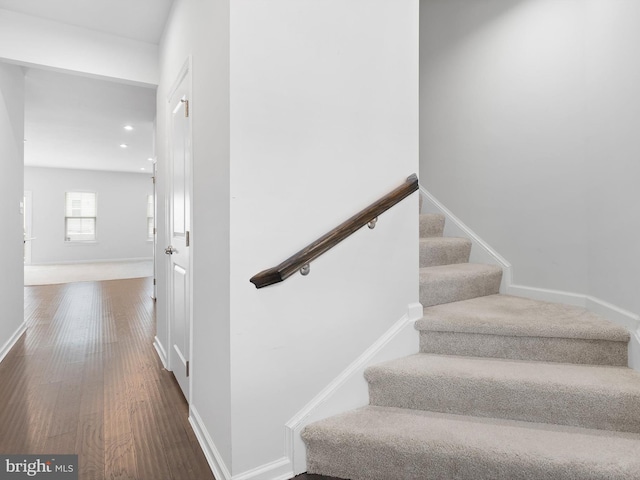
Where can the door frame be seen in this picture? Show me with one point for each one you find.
(171, 355)
(27, 211)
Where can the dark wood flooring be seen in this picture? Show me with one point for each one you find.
(85, 379)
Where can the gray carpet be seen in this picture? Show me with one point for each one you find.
(503, 388)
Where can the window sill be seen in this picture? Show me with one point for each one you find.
(80, 243)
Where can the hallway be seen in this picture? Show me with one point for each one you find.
(85, 379)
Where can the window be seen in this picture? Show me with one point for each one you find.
(150, 217)
(80, 217)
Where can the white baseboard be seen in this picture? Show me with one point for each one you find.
(277, 470)
(349, 390)
(615, 314)
(634, 351)
(481, 251)
(216, 463)
(485, 254)
(548, 295)
(161, 352)
(8, 345)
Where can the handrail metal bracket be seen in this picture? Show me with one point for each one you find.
(369, 216)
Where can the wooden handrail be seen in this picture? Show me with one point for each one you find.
(335, 236)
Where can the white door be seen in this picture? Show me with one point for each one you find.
(179, 234)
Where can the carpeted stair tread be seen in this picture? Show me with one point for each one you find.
(431, 225)
(601, 397)
(386, 443)
(518, 316)
(435, 251)
(462, 281)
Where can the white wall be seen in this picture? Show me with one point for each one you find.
(28, 40)
(11, 165)
(613, 151)
(201, 29)
(324, 119)
(527, 116)
(122, 214)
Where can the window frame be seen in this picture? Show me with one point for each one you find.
(67, 239)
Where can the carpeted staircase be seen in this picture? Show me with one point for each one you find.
(503, 388)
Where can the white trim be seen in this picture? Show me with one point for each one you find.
(280, 469)
(294, 448)
(8, 345)
(216, 463)
(184, 70)
(162, 354)
(479, 245)
(634, 350)
(548, 295)
(615, 314)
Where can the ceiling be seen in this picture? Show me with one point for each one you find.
(142, 20)
(78, 122)
(74, 121)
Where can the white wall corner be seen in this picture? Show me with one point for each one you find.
(349, 389)
(216, 463)
(8, 345)
(481, 251)
(161, 352)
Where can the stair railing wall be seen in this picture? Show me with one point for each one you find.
(301, 260)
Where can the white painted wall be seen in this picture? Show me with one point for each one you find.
(201, 29)
(324, 121)
(528, 110)
(122, 214)
(613, 151)
(317, 118)
(11, 240)
(29, 40)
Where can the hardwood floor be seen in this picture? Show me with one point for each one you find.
(85, 379)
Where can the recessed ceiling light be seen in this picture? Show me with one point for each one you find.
(150, 159)
(142, 168)
(128, 127)
(123, 145)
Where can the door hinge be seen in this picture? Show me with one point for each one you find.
(154, 281)
(187, 239)
(187, 368)
(153, 179)
(154, 230)
(186, 107)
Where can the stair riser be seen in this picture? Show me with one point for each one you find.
(436, 291)
(564, 350)
(440, 461)
(498, 398)
(435, 255)
(431, 225)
